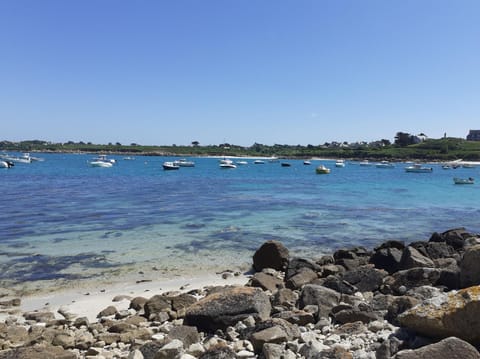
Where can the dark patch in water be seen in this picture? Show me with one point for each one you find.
(194, 226)
(42, 267)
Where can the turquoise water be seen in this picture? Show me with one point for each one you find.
(63, 221)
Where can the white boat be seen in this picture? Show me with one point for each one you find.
(340, 163)
(170, 166)
(384, 164)
(242, 163)
(184, 163)
(321, 170)
(104, 158)
(226, 161)
(6, 164)
(447, 167)
(227, 165)
(468, 180)
(24, 158)
(101, 164)
(418, 168)
(365, 163)
(468, 165)
(259, 162)
(307, 163)
(273, 159)
(128, 158)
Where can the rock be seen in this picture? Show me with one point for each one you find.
(107, 312)
(64, 340)
(149, 350)
(388, 256)
(323, 297)
(339, 285)
(38, 352)
(218, 352)
(449, 348)
(411, 278)
(451, 314)
(41, 317)
(412, 258)
(187, 335)
(137, 303)
(470, 267)
(296, 264)
(274, 335)
(266, 282)
(398, 306)
(157, 304)
(222, 309)
(285, 297)
(354, 315)
(272, 254)
(135, 354)
(298, 317)
(82, 321)
(303, 276)
(365, 278)
(170, 350)
(456, 237)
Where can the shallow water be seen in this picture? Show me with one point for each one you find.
(64, 221)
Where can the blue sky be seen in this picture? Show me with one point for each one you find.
(238, 71)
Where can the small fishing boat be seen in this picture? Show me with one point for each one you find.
(340, 163)
(184, 163)
(227, 165)
(418, 168)
(167, 166)
(259, 162)
(322, 170)
(307, 163)
(285, 164)
(101, 164)
(468, 180)
(242, 163)
(6, 164)
(384, 164)
(365, 163)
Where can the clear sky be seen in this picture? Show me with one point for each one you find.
(238, 71)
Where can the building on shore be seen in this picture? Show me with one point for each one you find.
(473, 135)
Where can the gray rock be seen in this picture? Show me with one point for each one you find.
(170, 350)
(303, 276)
(411, 278)
(272, 254)
(223, 309)
(186, 334)
(218, 352)
(324, 298)
(296, 264)
(266, 282)
(38, 352)
(470, 267)
(388, 256)
(365, 278)
(412, 258)
(285, 297)
(275, 335)
(107, 312)
(449, 348)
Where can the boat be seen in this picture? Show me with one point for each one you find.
(225, 161)
(184, 163)
(340, 163)
(365, 163)
(468, 165)
(307, 163)
(24, 158)
(384, 164)
(418, 168)
(227, 165)
(322, 170)
(104, 158)
(129, 158)
(285, 164)
(167, 166)
(101, 164)
(6, 164)
(273, 159)
(242, 163)
(447, 167)
(468, 180)
(259, 162)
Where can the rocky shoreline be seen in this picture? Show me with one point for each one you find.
(402, 301)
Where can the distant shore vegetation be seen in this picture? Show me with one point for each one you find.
(405, 147)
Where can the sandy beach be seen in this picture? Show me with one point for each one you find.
(89, 301)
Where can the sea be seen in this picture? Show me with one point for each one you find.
(65, 223)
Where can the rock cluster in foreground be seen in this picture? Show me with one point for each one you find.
(400, 301)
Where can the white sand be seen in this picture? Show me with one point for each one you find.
(89, 302)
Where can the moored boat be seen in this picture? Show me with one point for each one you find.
(365, 163)
(340, 163)
(259, 162)
(321, 170)
(6, 164)
(285, 164)
(384, 164)
(307, 163)
(227, 165)
(184, 163)
(468, 180)
(418, 168)
(170, 166)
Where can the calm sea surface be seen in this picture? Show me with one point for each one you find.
(64, 222)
